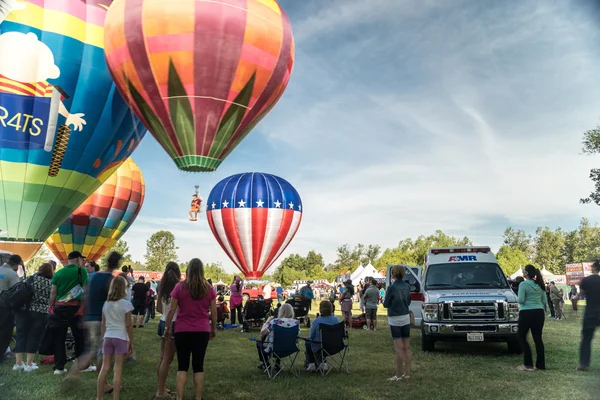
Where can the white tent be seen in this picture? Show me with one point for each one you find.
(370, 271)
(518, 273)
(357, 272)
(546, 273)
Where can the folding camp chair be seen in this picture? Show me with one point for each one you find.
(284, 351)
(333, 346)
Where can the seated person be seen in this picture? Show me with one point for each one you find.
(276, 310)
(325, 309)
(224, 314)
(285, 318)
(195, 207)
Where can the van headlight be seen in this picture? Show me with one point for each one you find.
(431, 312)
(513, 311)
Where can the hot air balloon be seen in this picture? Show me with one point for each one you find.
(254, 217)
(103, 218)
(199, 74)
(64, 128)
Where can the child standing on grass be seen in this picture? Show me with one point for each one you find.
(117, 332)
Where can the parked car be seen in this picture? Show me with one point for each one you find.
(254, 292)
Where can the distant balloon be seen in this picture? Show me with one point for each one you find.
(64, 128)
(103, 218)
(199, 74)
(254, 217)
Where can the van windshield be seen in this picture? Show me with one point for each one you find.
(467, 275)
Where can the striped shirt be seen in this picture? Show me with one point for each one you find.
(37, 89)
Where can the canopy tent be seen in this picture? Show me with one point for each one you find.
(518, 273)
(358, 271)
(546, 273)
(220, 283)
(368, 271)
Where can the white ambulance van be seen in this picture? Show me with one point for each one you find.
(467, 298)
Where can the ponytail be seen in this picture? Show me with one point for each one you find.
(535, 275)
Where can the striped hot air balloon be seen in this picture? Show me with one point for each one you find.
(64, 128)
(103, 218)
(200, 74)
(254, 217)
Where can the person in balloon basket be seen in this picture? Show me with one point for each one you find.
(195, 207)
(66, 308)
(194, 300)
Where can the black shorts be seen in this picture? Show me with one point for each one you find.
(400, 332)
(139, 309)
(371, 313)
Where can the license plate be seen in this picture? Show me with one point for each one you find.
(474, 337)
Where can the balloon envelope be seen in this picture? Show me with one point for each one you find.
(64, 128)
(254, 217)
(200, 74)
(103, 218)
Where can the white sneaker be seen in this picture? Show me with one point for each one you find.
(311, 367)
(30, 368)
(324, 366)
(60, 371)
(19, 367)
(91, 368)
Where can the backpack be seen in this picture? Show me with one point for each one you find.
(19, 296)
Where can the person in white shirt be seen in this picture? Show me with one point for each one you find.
(117, 331)
(267, 289)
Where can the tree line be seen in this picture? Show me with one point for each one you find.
(546, 247)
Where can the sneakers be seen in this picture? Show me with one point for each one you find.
(311, 367)
(30, 368)
(324, 366)
(19, 367)
(91, 368)
(60, 371)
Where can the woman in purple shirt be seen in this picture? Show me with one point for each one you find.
(235, 300)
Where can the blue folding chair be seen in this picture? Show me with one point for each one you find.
(333, 346)
(284, 351)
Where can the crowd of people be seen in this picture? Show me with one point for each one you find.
(101, 308)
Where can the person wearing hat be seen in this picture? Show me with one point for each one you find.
(8, 278)
(66, 308)
(346, 302)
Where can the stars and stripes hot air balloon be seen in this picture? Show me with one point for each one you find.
(254, 217)
(64, 128)
(200, 74)
(97, 224)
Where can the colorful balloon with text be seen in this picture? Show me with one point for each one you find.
(97, 224)
(254, 217)
(199, 74)
(64, 128)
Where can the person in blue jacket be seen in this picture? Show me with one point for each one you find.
(325, 309)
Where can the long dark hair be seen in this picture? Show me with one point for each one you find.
(170, 278)
(195, 282)
(238, 281)
(535, 275)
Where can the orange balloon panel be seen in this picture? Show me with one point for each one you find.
(199, 74)
(103, 218)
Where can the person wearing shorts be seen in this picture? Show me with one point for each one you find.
(397, 301)
(371, 301)
(139, 295)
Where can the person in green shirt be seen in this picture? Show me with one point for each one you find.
(532, 300)
(66, 308)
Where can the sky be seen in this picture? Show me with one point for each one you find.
(406, 116)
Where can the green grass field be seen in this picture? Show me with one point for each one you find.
(454, 371)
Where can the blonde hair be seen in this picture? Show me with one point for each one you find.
(286, 311)
(398, 272)
(117, 289)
